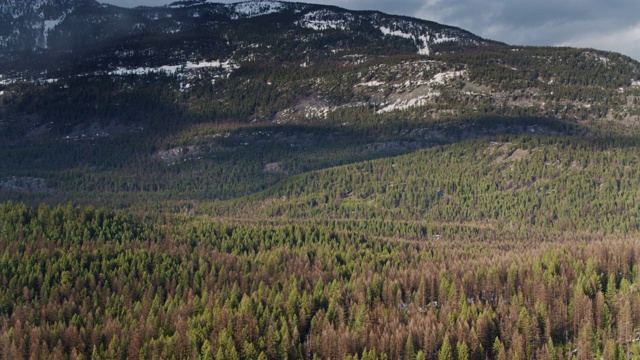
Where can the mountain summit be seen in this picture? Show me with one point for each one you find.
(194, 62)
(70, 24)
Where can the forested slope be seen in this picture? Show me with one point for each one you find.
(560, 183)
(80, 282)
(269, 180)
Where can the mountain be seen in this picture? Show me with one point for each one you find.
(274, 180)
(176, 100)
(26, 25)
(72, 24)
(54, 42)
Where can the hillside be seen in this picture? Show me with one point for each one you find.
(278, 180)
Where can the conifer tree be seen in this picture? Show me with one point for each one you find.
(446, 351)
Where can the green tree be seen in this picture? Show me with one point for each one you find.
(226, 347)
(409, 353)
(462, 351)
(446, 351)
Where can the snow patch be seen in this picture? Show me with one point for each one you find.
(635, 83)
(157, 16)
(318, 112)
(172, 69)
(422, 41)
(387, 31)
(325, 20)
(227, 65)
(168, 69)
(323, 112)
(406, 104)
(251, 9)
(424, 49)
(7, 81)
(372, 83)
(49, 25)
(440, 38)
(185, 4)
(422, 97)
(444, 77)
(319, 25)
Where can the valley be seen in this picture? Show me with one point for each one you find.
(270, 180)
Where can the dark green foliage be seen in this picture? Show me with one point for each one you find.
(558, 183)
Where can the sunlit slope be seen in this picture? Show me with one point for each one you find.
(560, 183)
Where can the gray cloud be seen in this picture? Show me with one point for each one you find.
(611, 25)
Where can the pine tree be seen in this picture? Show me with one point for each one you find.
(227, 349)
(462, 351)
(446, 351)
(409, 353)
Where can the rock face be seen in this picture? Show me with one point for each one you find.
(179, 154)
(274, 168)
(24, 184)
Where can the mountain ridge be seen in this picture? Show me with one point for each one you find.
(198, 89)
(43, 17)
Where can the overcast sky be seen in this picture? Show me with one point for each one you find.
(602, 24)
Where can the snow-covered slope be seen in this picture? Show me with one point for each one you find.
(55, 24)
(27, 24)
(326, 19)
(249, 9)
(424, 35)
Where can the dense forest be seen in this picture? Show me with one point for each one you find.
(93, 283)
(425, 233)
(293, 181)
(529, 253)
